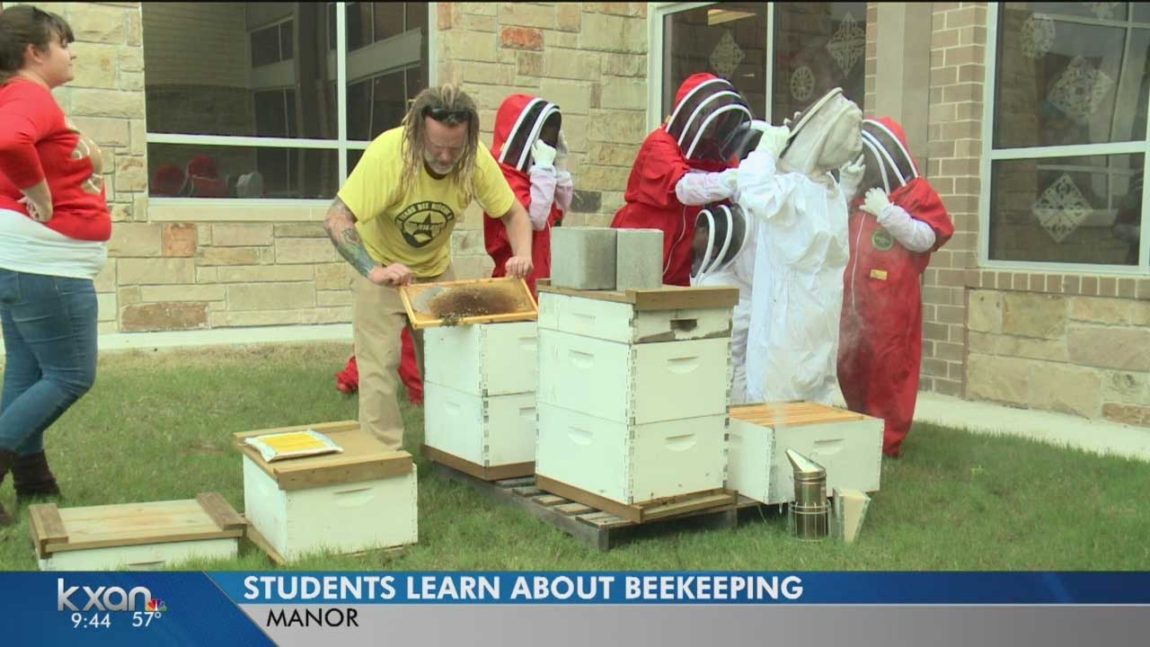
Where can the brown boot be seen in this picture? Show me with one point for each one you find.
(33, 479)
(7, 458)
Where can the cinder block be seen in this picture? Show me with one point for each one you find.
(639, 259)
(583, 258)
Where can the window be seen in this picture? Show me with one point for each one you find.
(814, 46)
(1068, 135)
(243, 100)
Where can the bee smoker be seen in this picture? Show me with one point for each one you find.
(810, 512)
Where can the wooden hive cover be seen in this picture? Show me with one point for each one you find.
(792, 414)
(668, 297)
(473, 301)
(363, 458)
(208, 516)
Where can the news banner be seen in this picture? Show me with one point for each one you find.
(668, 608)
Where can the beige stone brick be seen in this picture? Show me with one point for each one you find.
(478, 8)
(304, 250)
(271, 296)
(611, 154)
(130, 59)
(997, 378)
(339, 314)
(573, 97)
(334, 276)
(985, 311)
(133, 81)
(603, 178)
(106, 307)
(95, 66)
(607, 33)
(207, 274)
(569, 16)
(179, 239)
(486, 73)
(131, 173)
(467, 241)
(575, 129)
(529, 63)
(300, 230)
(469, 46)
(445, 15)
(241, 235)
(88, 102)
(473, 267)
(1034, 315)
(104, 131)
(92, 23)
(333, 298)
(619, 127)
(1125, 386)
(570, 64)
(264, 273)
(472, 22)
(139, 142)
(227, 318)
(1100, 310)
(1140, 313)
(624, 94)
(176, 293)
(1064, 388)
(127, 296)
(155, 271)
(1127, 414)
(149, 317)
(135, 35)
(527, 14)
(236, 256)
(1124, 349)
(105, 281)
(135, 239)
(633, 9)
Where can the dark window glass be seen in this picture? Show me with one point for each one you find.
(185, 170)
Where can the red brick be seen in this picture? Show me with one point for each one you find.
(521, 38)
(164, 316)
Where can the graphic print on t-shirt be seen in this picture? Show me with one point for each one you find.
(422, 222)
(86, 148)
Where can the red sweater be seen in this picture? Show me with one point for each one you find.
(37, 142)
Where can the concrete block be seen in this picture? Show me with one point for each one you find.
(583, 258)
(639, 259)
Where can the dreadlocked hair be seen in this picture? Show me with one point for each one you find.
(450, 99)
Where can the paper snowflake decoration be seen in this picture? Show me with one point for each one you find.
(802, 83)
(726, 56)
(1079, 90)
(1037, 36)
(1061, 208)
(848, 44)
(1102, 10)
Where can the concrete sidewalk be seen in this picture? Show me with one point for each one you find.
(1064, 430)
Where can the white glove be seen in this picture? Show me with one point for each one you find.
(850, 174)
(875, 201)
(561, 152)
(543, 154)
(774, 140)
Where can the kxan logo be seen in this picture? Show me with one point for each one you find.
(105, 598)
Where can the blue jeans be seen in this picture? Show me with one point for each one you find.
(50, 353)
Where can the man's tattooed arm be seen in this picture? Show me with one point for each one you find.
(340, 227)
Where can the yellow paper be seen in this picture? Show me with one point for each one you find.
(293, 444)
(878, 274)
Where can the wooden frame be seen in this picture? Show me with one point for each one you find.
(496, 473)
(668, 297)
(642, 512)
(419, 319)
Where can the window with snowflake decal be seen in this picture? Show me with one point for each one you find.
(1068, 123)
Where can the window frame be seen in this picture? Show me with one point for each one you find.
(990, 155)
(273, 209)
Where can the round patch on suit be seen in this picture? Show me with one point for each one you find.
(881, 240)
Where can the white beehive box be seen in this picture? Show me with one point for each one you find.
(631, 463)
(361, 499)
(639, 383)
(483, 359)
(491, 432)
(135, 536)
(847, 444)
(622, 322)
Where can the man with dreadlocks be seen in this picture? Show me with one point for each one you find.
(393, 219)
(895, 224)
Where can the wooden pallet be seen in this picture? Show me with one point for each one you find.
(594, 527)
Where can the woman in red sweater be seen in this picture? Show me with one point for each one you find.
(54, 227)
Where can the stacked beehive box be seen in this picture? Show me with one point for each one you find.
(633, 388)
(479, 390)
(847, 444)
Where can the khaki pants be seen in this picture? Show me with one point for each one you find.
(378, 319)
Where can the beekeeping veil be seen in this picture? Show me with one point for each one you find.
(708, 112)
(824, 136)
(723, 227)
(518, 123)
(888, 162)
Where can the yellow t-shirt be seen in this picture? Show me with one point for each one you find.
(413, 224)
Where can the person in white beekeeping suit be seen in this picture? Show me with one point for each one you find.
(724, 255)
(800, 211)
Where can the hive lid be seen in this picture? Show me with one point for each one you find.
(792, 414)
(467, 302)
(364, 458)
(668, 297)
(208, 516)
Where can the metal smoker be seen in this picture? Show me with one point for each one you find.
(810, 512)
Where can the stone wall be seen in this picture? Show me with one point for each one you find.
(590, 58)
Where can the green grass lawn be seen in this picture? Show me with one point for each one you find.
(157, 426)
